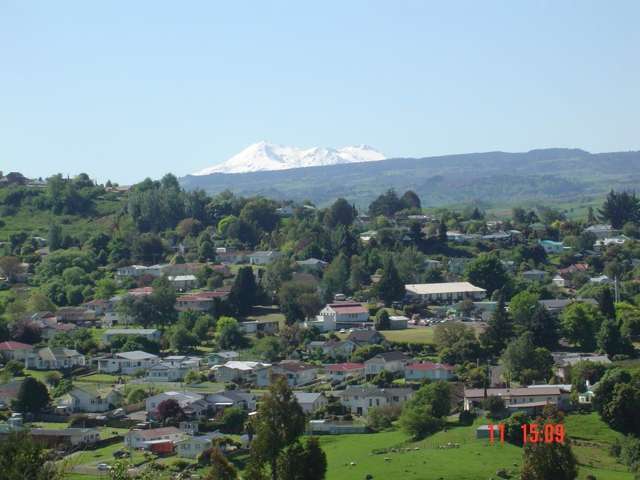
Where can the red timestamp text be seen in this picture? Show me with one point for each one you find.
(531, 433)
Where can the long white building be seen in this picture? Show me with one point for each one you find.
(449, 292)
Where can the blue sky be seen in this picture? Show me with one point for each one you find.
(124, 90)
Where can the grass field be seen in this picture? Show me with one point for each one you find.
(474, 459)
(412, 335)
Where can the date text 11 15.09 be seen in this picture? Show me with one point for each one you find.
(532, 433)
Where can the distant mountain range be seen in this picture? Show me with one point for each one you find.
(265, 156)
(493, 178)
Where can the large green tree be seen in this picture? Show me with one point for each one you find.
(21, 458)
(487, 271)
(499, 329)
(580, 322)
(545, 461)
(390, 288)
(620, 208)
(279, 423)
(32, 397)
(244, 292)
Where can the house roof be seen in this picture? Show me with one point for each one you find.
(294, 366)
(390, 356)
(344, 367)
(239, 365)
(429, 366)
(48, 353)
(158, 432)
(136, 355)
(375, 392)
(364, 336)
(511, 392)
(10, 346)
(348, 307)
(306, 397)
(131, 331)
(448, 287)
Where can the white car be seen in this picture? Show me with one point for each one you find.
(103, 467)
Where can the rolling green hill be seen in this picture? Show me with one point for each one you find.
(493, 178)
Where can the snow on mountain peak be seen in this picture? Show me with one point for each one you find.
(264, 156)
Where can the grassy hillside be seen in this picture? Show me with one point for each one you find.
(549, 176)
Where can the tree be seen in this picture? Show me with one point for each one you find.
(410, 200)
(499, 328)
(620, 412)
(302, 462)
(262, 213)
(487, 271)
(386, 204)
(229, 334)
(182, 339)
(221, 468)
(530, 316)
(32, 397)
(382, 320)
(543, 461)
(522, 360)
(298, 301)
(244, 292)
(105, 288)
(169, 409)
(280, 421)
(495, 406)
(23, 458)
(417, 421)
(163, 301)
(340, 212)
(611, 341)
(233, 420)
(358, 276)
(54, 237)
(335, 278)
(10, 267)
(437, 395)
(620, 208)
(606, 302)
(580, 322)
(390, 287)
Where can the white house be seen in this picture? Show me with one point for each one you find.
(296, 373)
(257, 373)
(534, 275)
(127, 363)
(145, 438)
(311, 402)
(65, 437)
(173, 368)
(54, 359)
(392, 361)
(341, 315)
(558, 281)
(444, 292)
(91, 399)
(336, 349)
(232, 398)
(135, 271)
(360, 399)
(192, 446)
(428, 371)
(15, 350)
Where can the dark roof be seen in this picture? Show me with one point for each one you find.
(391, 356)
(365, 336)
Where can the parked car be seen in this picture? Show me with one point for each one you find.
(103, 467)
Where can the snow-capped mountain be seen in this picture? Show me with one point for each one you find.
(263, 156)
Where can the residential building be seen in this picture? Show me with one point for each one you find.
(534, 275)
(345, 371)
(297, 373)
(335, 349)
(527, 399)
(600, 231)
(200, 301)
(184, 399)
(90, 399)
(393, 361)
(311, 402)
(54, 359)
(144, 439)
(232, 398)
(563, 361)
(558, 281)
(398, 322)
(551, 246)
(59, 438)
(148, 333)
(556, 305)
(430, 264)
(192, 446)
(256, 373)
(428, 371)
(136, 271)
(173, 368)
(263, 257)
(360, 399)
(127, 363)
(268, 327)
(80, 316)
(449, 292)
(335, 316)
(15, 350)
(183, 282)
(218, 358)
(313, 265)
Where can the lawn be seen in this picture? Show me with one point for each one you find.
(100, 378)
(412, 335)
(474, 459)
